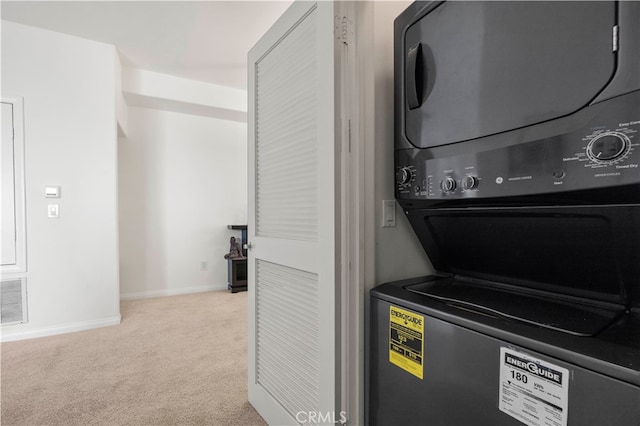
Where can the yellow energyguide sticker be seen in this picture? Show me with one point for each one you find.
(406, 340)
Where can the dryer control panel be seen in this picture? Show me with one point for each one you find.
(605, 153)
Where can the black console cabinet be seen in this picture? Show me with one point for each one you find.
(237, 268)
(237, 274)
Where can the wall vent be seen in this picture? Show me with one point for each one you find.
(13, 307)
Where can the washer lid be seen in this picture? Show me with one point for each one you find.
(472, 69)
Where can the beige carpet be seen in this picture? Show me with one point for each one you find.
(173, 360)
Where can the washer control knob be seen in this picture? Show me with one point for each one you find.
(469, 183)
(404, 175)
(448, 184)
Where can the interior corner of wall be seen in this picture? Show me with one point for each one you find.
(129, 79)
(121, 132)
(122, 114)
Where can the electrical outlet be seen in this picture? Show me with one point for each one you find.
(204, 265)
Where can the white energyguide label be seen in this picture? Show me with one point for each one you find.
(533, 391)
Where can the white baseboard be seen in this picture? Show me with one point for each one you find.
(172, 292)
(61, 329)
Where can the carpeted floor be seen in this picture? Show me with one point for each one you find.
(173, 360)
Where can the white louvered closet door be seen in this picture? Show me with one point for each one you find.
(293, 354)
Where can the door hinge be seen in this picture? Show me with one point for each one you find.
(344, 30)
(615, 38)
(349, 135)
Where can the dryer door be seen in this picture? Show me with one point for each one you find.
(473, 69)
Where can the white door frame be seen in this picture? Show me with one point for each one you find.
(20, 267)
(354, 244)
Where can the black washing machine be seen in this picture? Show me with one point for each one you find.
(517, 155)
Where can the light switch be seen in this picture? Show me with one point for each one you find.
(388, 213)
(52, 191)
(53, 211)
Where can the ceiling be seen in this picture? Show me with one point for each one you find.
(200, 40)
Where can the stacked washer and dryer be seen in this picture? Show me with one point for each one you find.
(517, 154)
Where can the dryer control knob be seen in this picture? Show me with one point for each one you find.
(608, 147)
(448, 185)
(469, 183)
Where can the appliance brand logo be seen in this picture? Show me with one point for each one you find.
(534, 368)
(407, 318)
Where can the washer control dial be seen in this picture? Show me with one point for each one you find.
(405, 175)
(470, 182)
(448, 185)
(608, 147)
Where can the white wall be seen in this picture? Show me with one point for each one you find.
(162, 86)
(183, 179)
(154, 90)
(70, 140)
(399, 254)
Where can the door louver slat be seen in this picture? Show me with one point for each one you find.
(287, 335)
(286, 137)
